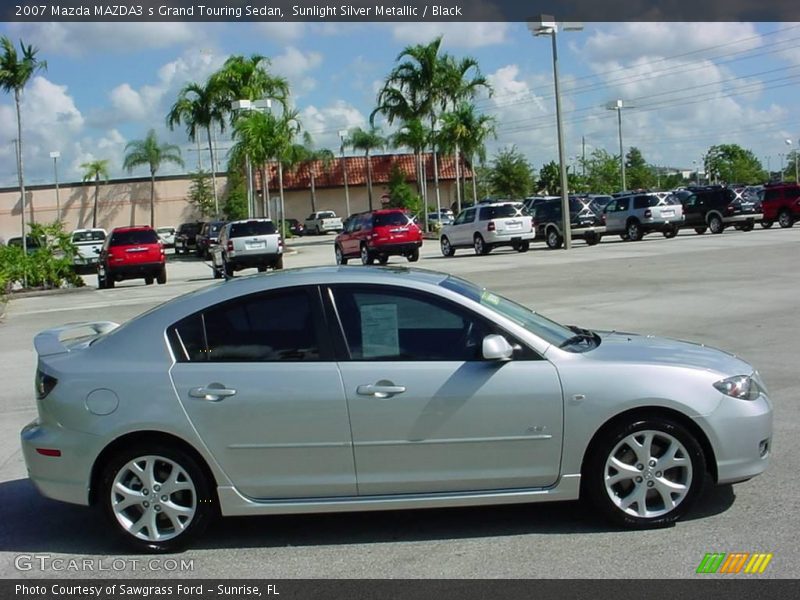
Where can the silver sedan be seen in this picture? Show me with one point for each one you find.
(347, 389)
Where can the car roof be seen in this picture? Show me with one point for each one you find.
(89, 229)
(132, 228)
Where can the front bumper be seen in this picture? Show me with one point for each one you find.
(740, 432)
(67, 477)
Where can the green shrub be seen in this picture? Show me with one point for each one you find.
(50, 266)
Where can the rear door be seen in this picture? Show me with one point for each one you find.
(134, 246)
(509, 220)
(393, 227)
(258, 381)
(463, 228)
(254, 237)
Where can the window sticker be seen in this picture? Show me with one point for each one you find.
(379, 332)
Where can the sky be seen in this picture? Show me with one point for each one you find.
(688, 86)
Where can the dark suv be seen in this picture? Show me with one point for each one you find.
(781, 203)
(131, 253)
(186, 237)
(208, 236)
(716, 207)
(378, 235)
(585, 223)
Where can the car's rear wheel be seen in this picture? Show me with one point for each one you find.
(634, 231)
(670, 232)
(715, 224)
(592, 239)
(278, 264)
(161, 276)
(767, 224)
(645, 472)
(785, 219)
(553, 239)
(156, 497)
(149, 280)
(700, 230)
(480, 245)
(523, 246)
(366, 256)
(228, 269)
(413, 256)
(340, 257)
(217, 272)
(261, 268)
(747, 226)
(447, 249)
(383, 259)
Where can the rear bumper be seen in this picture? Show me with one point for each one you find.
(253, 260)
(402, 248)
(66, 477)
(507, 239)
(743, 218)
(134, 271)
(593, 229)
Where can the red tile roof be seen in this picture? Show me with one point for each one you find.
(299, 178)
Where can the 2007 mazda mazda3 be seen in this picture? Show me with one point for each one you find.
(346, 389)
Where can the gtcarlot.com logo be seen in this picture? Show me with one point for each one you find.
(734, 563)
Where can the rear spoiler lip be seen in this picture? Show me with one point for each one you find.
(48, 342)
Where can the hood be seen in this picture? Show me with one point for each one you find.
(645, 349)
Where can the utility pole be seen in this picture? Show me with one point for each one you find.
(618, 106)
(583, 156)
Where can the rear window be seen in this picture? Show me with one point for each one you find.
(136, 236)
(645, 201)
(88, 236)
(501, 212)
(189, 228)
(386, 219)
(215, 227)
(252, 228)
(327, 215)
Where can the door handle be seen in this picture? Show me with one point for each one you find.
(382, 389)
(214, 392)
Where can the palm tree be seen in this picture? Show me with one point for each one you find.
(15, 72)
(149, 152)
(95, 170)
(367, 141)
(307, 157)
(247, 78)
(200, 106)
(416, 136)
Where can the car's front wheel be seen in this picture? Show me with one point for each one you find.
(447, 248)
(767, 224)
(340, 257)
(553, 239)
(645, 472)
(366, 256)
(715, 224)
(156, 497)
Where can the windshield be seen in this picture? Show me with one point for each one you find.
(550, 331)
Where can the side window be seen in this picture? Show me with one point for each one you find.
(623, 203)
(273, 327)
(469, 215)
(460, 218)
(398, 324)
(640, 202)
(611, 206)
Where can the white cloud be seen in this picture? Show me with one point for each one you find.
(281, 32)
(325, 123)
(456, 35)
(295, 64)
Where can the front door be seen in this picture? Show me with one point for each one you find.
(428, 414)
(265, 396)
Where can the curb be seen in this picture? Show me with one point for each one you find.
(56, 291)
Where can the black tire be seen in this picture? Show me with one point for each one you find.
(383, 259)
(161, 276)
(480, 246)
(149, 280)
(748, 226)
(623, 237)
(785, 219)
(715, 224)
(367, 258)
(670, 232)
(524, 246)
(700, 230)
(102, 281)
(341, 259)
(228, 269)
(591, 239)
(767, 224)
(413, 256)
(634, 231)
(553, 239)
(684, 481)
(217, 272)
(278, 264)
(198, 495)
(261, 268)
(446, 248)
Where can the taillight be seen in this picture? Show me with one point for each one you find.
(230, 245)
(491, 226)
(730, 208)
(54, 452)
(603, 218)
(648, 214)
(44, 384)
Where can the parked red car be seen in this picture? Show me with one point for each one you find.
(131, 253)
(781, 203)
(377, 235)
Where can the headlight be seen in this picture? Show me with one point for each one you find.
(743, 387)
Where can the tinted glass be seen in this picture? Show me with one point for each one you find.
(133, 237)
(500, 212)
(214, 228)
(386, 219)
(406, 325)
(166, 230)
(327, 215)
(88, 236)
(190, 228)
(260, 328)
(623, 203)
(249, 228)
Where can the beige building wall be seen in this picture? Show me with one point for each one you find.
(127, 202)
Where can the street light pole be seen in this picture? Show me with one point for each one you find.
(55, 156)
(546, 25)
(343, 138)
(618, 106)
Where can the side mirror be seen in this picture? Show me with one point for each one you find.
(496, 347)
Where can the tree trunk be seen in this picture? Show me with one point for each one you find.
(458, 180)
(313, 191)
(213, 172)
(369, 179)
(474, 179)
(152, 199)
(21, 181)
(266, 208)
(96, 194)
(280, 183)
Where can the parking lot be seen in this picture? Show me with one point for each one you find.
(737, 291)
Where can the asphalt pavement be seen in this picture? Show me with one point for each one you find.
(737, 291)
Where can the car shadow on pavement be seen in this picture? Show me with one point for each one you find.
(36, 524)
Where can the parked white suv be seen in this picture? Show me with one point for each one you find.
(247, 244)
(636, 215)
(89, 243)
(486, 226)
(323, 221)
